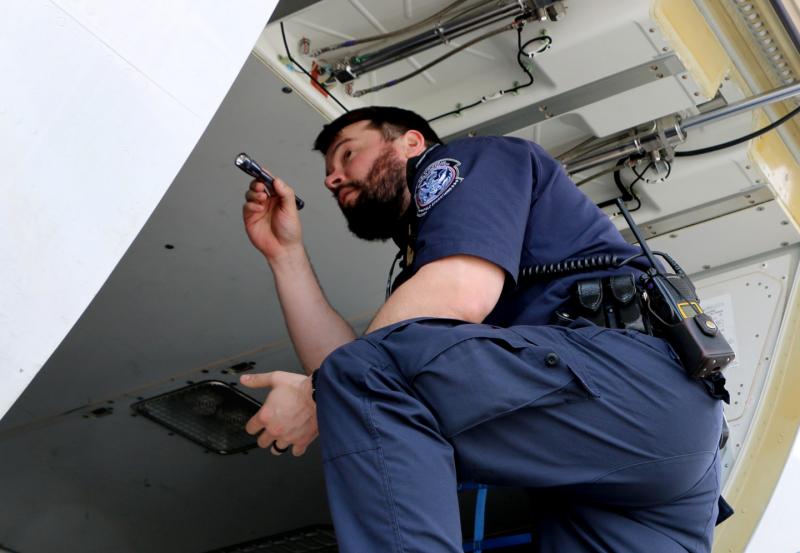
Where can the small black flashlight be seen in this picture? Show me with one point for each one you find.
(252, 168)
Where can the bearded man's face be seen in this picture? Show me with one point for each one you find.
(382, 198)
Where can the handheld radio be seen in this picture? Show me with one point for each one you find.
(677, 315)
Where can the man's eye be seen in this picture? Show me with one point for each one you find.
(347, 154)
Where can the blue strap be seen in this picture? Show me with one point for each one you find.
(477, 545)
(480, 514)
(496, 543)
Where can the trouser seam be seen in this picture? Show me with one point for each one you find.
(387, 484)
(710, 520)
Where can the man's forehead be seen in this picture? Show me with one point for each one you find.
(351, 131)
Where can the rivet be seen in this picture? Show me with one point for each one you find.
(286, 90)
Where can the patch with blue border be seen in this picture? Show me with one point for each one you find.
(436, 181)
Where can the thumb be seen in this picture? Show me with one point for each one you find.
(284, 191)
(260, 380)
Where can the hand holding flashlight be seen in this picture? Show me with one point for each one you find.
(252, 168)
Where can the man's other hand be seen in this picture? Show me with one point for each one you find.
(289, 414)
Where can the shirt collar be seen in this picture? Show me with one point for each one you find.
(404, 229)
(413, 164)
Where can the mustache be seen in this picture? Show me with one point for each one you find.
(358, 185)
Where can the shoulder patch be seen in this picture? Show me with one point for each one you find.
(436, 181)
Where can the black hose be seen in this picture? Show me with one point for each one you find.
(736, 141)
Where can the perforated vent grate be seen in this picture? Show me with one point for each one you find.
(210, 413)
(310, 539)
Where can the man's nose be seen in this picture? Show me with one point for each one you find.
(334, 180)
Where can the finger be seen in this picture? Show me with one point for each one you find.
(252, 196)
(254, 425)
(278, 447)
(265, 440)
(284, 192)
(300, 445)
(259, 380)
(257, 186)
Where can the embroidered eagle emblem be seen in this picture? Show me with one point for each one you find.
(436, 181)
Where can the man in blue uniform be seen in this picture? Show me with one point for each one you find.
(460, 376)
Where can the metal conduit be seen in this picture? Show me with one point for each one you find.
(439, 35)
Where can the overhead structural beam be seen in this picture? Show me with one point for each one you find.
(576, 98)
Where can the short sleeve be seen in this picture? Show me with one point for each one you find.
(474, 198)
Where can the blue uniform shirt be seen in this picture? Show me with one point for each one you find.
(508, 201)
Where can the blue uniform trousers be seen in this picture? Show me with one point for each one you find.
(617, 444)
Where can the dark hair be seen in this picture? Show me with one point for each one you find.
(392, 122)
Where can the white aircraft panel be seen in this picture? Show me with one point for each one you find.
(92, 133)
(728, 239)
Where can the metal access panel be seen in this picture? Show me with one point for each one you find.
(748, 301)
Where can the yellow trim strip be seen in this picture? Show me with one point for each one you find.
(775, 160)
(695, 43)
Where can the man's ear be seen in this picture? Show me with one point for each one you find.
(413, 143)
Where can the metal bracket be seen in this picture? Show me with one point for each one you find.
(576, 98)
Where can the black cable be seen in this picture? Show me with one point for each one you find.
(456, 111)
(640, 177)
(520, 53)
(635, 197)
(627, 193)
(321, 85)
(745, 138)
(520, 50)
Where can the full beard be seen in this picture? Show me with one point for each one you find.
(382, 199)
